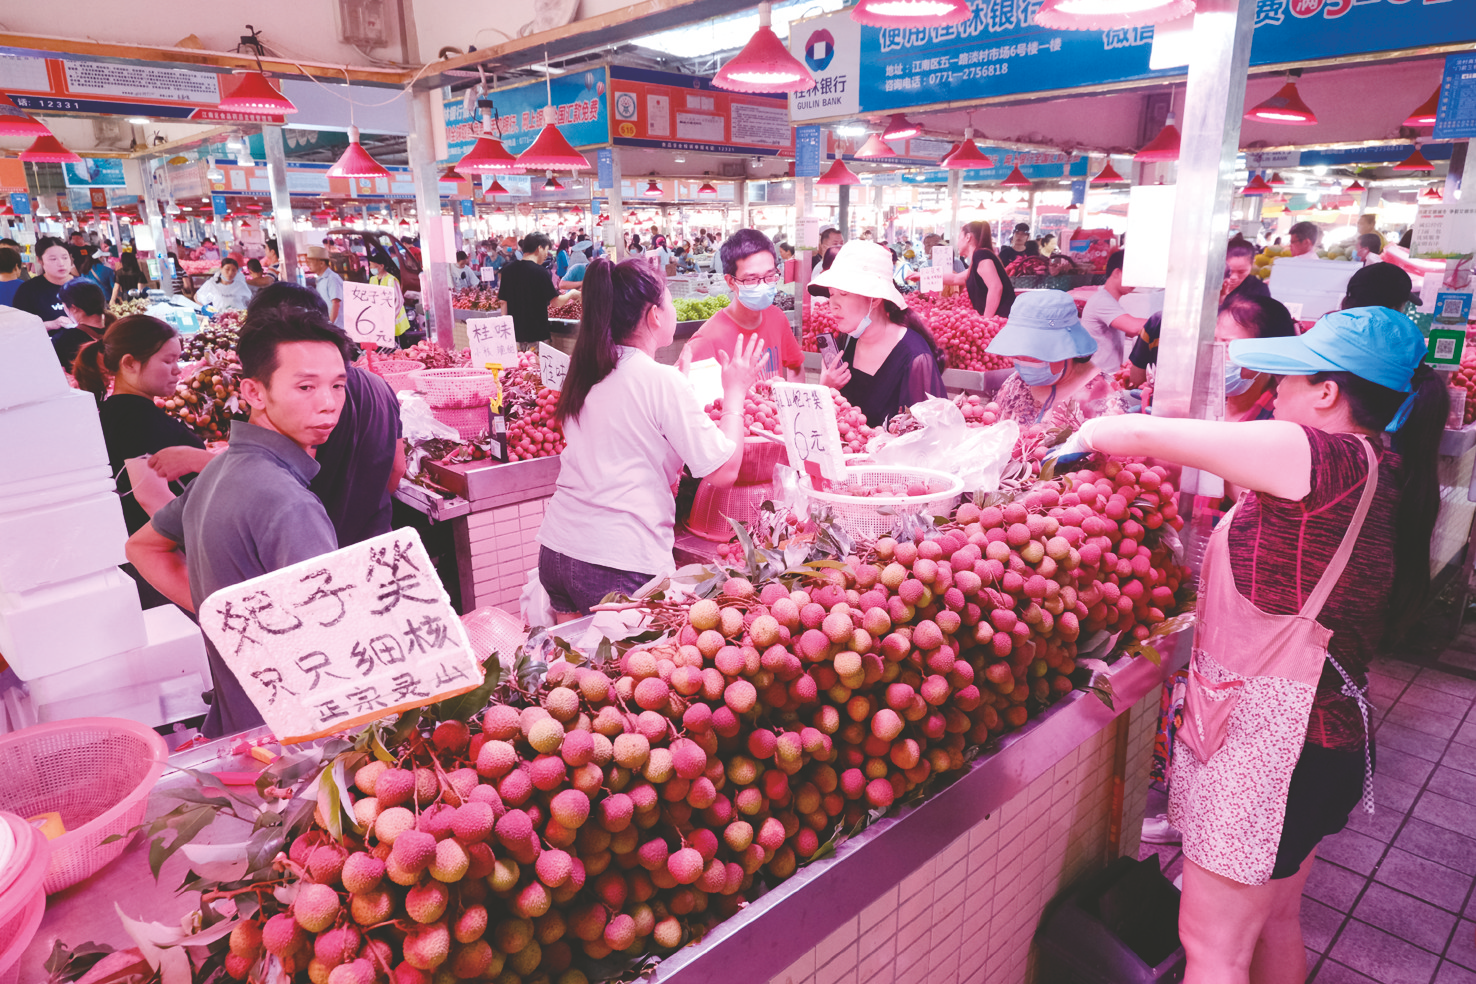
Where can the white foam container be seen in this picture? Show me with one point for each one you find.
(174, 650)
(52, 438)
(59, 542)
(61, 626)
(30, 372)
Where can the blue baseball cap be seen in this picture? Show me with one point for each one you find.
(1375, 343)
(1043, 325)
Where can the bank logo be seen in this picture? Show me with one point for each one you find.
(819, 50)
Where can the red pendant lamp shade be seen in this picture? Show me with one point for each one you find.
(551, 152)
(16, 123)
(356, 162)
(48, 150)
(487, 154)
(1164, 147)
(1355, 186)
(652, 189)
(707, 190)
(898, 128)
(553, 184)
(1285, 107)
(1093, 15)
(943, 161)
(1414, 162)
(496, 188)
(967, 155)
(838, 174)
(254, 93)
(875, 147)
(450, 174)
(1107, 174)
(1431, 195)
(1277, 180)
(1257, 186)
(1424, 114)
(910, 13)
(1016, 179)
(764, 64)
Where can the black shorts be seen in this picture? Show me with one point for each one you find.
(1325, 787)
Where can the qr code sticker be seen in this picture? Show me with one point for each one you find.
(1445, 348)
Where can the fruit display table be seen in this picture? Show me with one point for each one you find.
(1453, 524)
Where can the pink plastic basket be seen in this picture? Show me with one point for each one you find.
(456, 387)
(470, 422)
(22, 896)
(397, 372)
(492, 630)
(96, 772)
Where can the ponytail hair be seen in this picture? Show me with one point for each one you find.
(138, 335)
(1417, 442)
(909, 319)
(616, 298)
(980, 233)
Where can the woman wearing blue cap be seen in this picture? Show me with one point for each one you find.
(1052, 354)
(1297, 597)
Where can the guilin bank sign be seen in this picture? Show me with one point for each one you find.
(830, 47)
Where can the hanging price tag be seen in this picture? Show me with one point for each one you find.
(811, 432)
(492, 341)
(369, 314)
(553, 366)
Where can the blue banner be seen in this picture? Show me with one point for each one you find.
(999, 51)
(605, 165)
(218, 205)
(1078, 191)
(96, 172)
(1456, 117)
(468, 207)
(579, 108)
(807, 141)
(1037, 165)
(20, 203)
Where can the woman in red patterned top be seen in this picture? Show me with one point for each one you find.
(1354, 375)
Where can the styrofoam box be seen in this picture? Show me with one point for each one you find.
(51, 490)
(60, 626)
(55, 436)
(29, 373)
(60, 542)
(174, 650)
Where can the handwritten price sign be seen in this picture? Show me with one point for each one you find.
(492, 341)
(553, 366)
(343, 639)
(369, 314)
(811, 433)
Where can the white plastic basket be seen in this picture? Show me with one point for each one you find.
(870, 517)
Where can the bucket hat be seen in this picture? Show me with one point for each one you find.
(1043, 325)
(1375, 343)
(861, 267)
(316, 253)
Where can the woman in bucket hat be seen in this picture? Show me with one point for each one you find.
(1052, 354)
(1275, 750)
(888, 359)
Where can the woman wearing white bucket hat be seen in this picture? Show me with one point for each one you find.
(888, 360)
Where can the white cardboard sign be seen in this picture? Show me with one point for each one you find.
(343, 639)
(943, 258)
(488, 274)
(930, 279)
(811, 433)
(369, 313)
(492, 341)
(553, 366)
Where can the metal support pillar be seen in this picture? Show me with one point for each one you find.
(148, 211)
(843, 217)
(435, 279)
(276, 158)
(1214, 102)
(955, 202)
(743, 203)
(617, 208)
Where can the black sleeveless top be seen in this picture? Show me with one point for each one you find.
(979, 290)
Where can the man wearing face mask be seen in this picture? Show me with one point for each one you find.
(750, 267)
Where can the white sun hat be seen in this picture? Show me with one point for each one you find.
(863, 268)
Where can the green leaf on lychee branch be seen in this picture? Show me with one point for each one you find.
(65, 965)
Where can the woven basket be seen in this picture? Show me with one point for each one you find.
(397, 372)
(470, 422)
(870, 517)
(456, 388)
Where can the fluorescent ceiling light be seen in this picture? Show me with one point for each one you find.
(139, 120)
(713, 36)
(850, 130)
(547, 69)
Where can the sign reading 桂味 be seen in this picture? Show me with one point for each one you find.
(492, 342)
(344, 638)
(811, 433)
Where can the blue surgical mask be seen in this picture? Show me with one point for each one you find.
(1235, 383)
(1037, 373)
(756, 297)
(861, 326)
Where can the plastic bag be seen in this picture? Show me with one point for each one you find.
(419, 424)
(978, 455)
(534, 603)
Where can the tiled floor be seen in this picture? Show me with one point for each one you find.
(1390, 899)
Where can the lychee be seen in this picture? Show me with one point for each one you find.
(427, 947)
(414, 850)
(427, 902)
(362, 872)
(316, 907)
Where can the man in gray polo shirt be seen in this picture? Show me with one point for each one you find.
(250, 511)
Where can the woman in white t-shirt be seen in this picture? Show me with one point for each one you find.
(630, 423)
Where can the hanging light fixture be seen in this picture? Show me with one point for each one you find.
(707, 190)
(652, 189)
(48, 150)
(553, 184)
(967, 155)
(953, 149)
(1016, 179)
(488, 153)
(764, 64)
(450, 174)
(14, 122)
(838, 174)
(496, 188)
(1285, 107)
(550, 151)
(1414, 162)
(253, 92)
(1424, 114)
(1107, 174)
(898, 128)
(356, 162)
(1093, 15)
(1355, 186)
(1276, 180)
(874, 147)
(910, 13)
(1164, 147)
(1256, 186)
(1431, 195)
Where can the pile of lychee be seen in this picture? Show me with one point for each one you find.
(622, 809)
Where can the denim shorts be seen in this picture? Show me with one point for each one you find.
(574, 586)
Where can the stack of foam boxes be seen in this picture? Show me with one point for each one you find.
(71, 627)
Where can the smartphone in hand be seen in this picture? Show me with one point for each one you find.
(829, 352)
